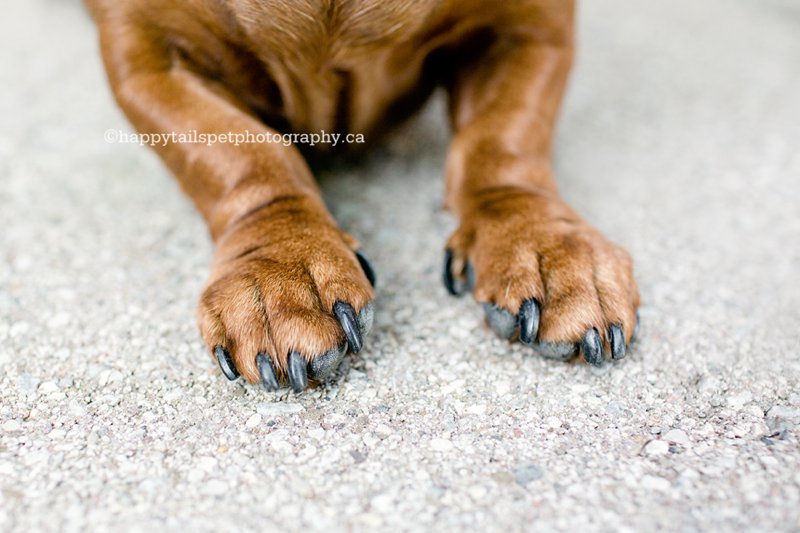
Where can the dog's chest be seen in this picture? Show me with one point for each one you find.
(321, 30)
(337, 62)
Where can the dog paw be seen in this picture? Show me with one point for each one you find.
(544, 276)
(286, 309)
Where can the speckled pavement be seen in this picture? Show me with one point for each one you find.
(679, 139)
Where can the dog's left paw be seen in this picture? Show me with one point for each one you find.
(544, 276)
(289, 294)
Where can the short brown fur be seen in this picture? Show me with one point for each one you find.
(281, 261)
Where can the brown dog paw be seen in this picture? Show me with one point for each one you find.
(544, 276)
(286, 300)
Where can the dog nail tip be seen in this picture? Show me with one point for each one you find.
(298, 373)
(529, 314)
(636, 328)
(454, 285)
(592, 348)
(347, 319)
(266, 370)
(617, 341)
(225, 363)
(447, 274)
(366, 266)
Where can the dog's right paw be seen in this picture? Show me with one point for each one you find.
(544, 276)
(286, 310)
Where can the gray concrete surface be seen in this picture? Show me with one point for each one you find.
(679, 139)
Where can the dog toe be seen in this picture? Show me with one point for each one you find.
(502, 321)
(324, 365)
(562, 351)
(366, 318)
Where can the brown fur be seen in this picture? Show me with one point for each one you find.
(357, 66)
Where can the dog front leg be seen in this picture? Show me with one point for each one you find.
(287, 294)
(542, 273)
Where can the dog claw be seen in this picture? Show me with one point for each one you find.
(323, 365)
(447, 275)
(528, 321)
(502, 321)
(636, 328)
(266, 371)
(226, 363)
(347, 318)
(366, 266)
(592, 348)
(617, 340)
(298, 373)
(455, 286)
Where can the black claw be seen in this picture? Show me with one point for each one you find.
(592, 348)
(617, 340)
(453, 284)
(636, 328)
(449, 280)
(298, 373)
(226, 363)
(267, 372)
(366, 267)
(347, 318)
(528, 321)
(502, 321)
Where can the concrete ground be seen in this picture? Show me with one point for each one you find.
(679, 139)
